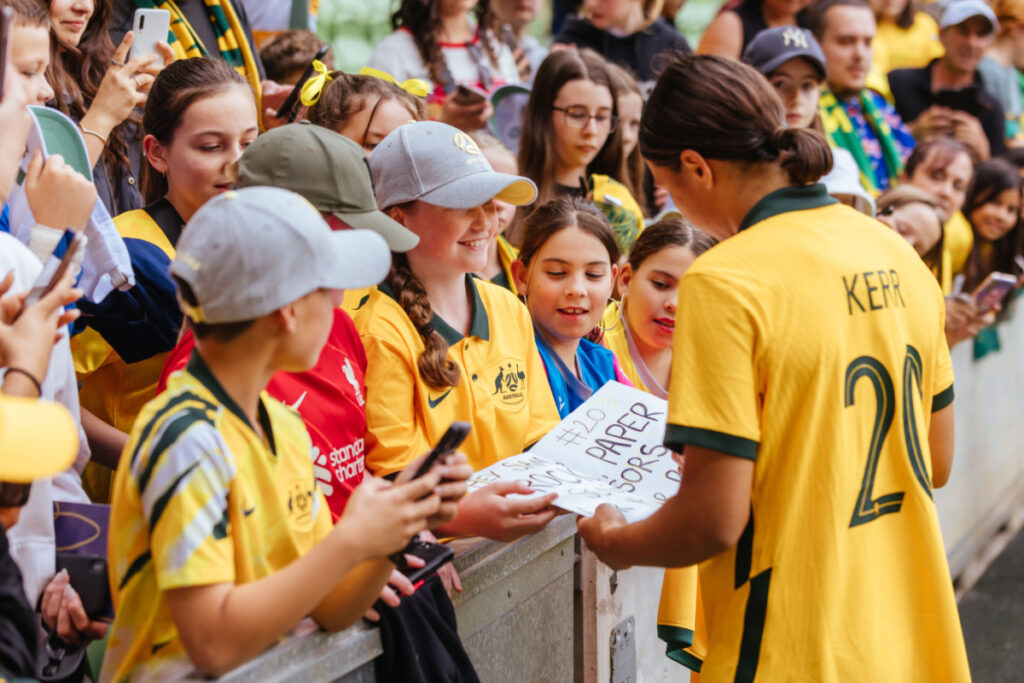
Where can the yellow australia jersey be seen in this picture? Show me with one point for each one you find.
(958, 240)
(815, 348)
(615, 341)
(200, 499)
(112, 389)
(502, 392)
(506, 255)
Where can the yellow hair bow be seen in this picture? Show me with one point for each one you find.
(314, 87)
(413, 86)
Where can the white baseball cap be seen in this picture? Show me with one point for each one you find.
(959, 11)
(248, 252)
(438, 164)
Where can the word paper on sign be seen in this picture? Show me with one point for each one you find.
(609, 450)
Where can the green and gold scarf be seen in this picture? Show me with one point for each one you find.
(842, 133)
(231, 40)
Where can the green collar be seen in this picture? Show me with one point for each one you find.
(785, 200)
(198, 368)
(479, 327)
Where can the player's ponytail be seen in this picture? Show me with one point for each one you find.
(803, 152)
(726, 110)
(434, 366)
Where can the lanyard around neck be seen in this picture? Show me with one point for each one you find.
(653, 385)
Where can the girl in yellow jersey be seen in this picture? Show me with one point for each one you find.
(812, 391)
(199, 118)
(442, 345)
(500, 252)
(639, 328)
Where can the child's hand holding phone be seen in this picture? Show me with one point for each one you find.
(382, 516)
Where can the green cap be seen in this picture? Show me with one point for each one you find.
(60, 136)
(326, 168)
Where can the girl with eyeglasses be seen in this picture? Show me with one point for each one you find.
(450, 43)
(571, 143)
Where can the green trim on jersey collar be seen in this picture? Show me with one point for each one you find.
(479, 327)
(785, 200)
(198, 368)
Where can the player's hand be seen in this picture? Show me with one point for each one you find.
(380, 517)
(63, 613)
(468, 117)
(490, 513)
(597, 533)
(53, 178)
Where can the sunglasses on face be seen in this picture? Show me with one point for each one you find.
(13, 495)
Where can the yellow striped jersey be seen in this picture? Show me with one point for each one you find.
(814, 346)
(199, 499)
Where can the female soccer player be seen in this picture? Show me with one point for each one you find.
(812, 391)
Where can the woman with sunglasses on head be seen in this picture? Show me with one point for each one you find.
(804, 328)
(453, 45)
(571, 143)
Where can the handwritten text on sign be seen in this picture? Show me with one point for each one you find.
(606, 451)
(617, 435)
(577, 492)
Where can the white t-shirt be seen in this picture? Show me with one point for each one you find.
(271, 15)
(398, 55)
(31, 539)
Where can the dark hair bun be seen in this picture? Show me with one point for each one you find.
(803, 152)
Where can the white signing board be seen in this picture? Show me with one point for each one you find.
(609, 450)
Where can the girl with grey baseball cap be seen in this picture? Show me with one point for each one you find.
(442, 345)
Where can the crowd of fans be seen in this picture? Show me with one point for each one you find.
(300, 306)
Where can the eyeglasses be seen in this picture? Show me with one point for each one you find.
(13, 495)
(578, 116)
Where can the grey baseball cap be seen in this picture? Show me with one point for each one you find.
(959, 11)
(435, 163)
(773, 47)
(248, 252)
(326, 168)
